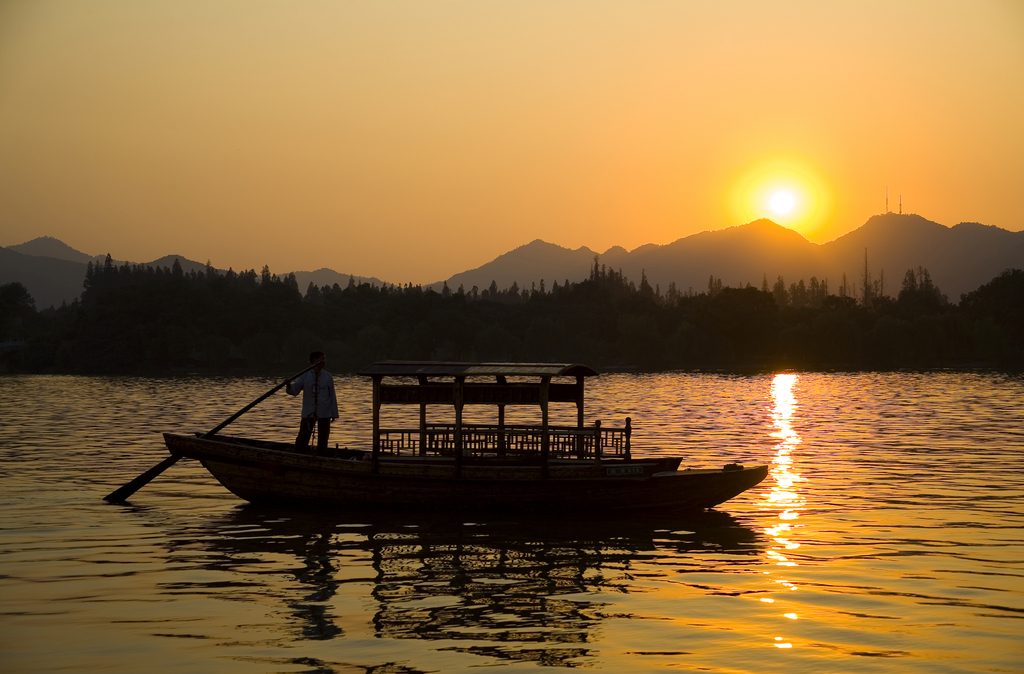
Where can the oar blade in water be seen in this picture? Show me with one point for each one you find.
(123, 493)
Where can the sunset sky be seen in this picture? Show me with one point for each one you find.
(411, 141)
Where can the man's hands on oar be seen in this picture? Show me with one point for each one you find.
(123, 493)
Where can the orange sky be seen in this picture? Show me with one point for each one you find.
(411, 141)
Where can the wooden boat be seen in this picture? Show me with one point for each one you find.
(579, 469)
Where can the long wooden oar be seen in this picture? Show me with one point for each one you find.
(122, 493)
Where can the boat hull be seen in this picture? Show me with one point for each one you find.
(267, 474)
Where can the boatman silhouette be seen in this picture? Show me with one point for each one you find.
(319, 404)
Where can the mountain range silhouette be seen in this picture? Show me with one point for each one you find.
(959, 258)
(54, 272)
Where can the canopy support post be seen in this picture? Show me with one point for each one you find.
(376, 423)
(423, 421)
(580, 443)
(460, 399)
(545, 438)
(501, 419)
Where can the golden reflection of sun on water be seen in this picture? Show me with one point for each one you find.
(784, 496)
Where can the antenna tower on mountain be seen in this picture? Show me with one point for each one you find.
(901, 204)
(886, 198)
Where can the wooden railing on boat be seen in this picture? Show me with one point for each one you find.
(480, 440)
(425, 383)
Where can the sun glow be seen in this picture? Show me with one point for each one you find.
(787, 191)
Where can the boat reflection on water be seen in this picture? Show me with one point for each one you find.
(527, 590)
(785, 497)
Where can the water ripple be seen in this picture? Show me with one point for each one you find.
(887, 537)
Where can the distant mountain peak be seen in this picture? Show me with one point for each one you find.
(47, 246)
(761, 231)
(168, 260)
(764, 222)
(888, 225)
(541, 243)
(769, 226)
(976, 226)
(901, 220)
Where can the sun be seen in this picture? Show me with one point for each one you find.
(788, 190)
(782, 202)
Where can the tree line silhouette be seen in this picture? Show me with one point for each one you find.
(136, 318)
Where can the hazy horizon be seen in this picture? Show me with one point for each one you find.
(413, 142)
(604, 251)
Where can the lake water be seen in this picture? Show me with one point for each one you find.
(889, 537)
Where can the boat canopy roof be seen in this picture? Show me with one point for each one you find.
(431, 368)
